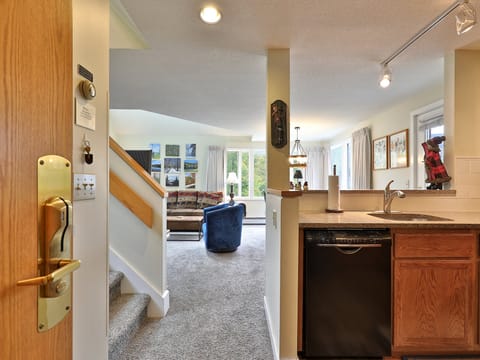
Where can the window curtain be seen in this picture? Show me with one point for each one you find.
(361, 159)
(316, 172)
(215, 169)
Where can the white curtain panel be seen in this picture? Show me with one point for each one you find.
(215, 169)
(361, 159)
(316, 172)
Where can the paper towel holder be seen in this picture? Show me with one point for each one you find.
(335, 177)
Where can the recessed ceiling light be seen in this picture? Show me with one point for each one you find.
(210, 14)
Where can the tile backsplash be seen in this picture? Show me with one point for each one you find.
(467, 177)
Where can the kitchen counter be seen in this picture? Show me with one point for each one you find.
(361, 219)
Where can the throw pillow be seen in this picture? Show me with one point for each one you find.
(187, 199)
(172, 200)
(211, 198)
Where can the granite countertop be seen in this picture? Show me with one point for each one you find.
(361, 219)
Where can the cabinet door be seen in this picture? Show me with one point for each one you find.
(433, 304)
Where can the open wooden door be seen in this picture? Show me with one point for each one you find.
(35, 120)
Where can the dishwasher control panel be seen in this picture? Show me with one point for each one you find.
(347, 236)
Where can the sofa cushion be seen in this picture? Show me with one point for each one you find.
(209, 198)
(187, 199)
(172, 199)
(184, 212)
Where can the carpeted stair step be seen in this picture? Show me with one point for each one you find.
(114, 281)
(127, 312)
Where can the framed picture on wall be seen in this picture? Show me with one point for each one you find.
(190, 180)
(156, 175)
(398, 149)
(172, 150)
(172, 165)
(172, 179)
(190, 150)
(190, 165)
(155, 151)
(379, 151)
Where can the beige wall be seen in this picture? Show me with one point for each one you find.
(467, 104)
(278, 88)
(90, 318)
(391, 120)
(466, 124)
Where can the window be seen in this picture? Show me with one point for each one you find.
(434, 131)
(428, 122)
(341, 157)
(250, 167)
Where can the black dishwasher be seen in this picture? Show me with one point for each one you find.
(347, 293)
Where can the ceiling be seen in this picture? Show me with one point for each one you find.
(216, 74)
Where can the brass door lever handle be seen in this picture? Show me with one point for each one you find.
(67, 266)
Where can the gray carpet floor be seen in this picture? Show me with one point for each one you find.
(216, 305)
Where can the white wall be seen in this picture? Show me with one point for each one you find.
(140, 249)
(272, 270)
(255, 208)
(90, 295)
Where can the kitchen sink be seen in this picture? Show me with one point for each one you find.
(401, 216)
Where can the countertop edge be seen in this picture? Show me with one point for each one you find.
(360, 219)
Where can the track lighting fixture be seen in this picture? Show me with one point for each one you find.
(210, 14)
(465, 19)
(386, 76)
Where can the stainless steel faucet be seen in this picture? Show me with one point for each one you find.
(388, 196)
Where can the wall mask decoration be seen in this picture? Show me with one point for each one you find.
(278, 115)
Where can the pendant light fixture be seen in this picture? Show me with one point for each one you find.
(298, 156)
(466, 18)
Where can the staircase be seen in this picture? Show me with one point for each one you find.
(127, 313)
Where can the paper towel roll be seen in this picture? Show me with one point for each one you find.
(333, 193)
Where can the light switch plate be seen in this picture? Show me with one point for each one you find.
(84, 186)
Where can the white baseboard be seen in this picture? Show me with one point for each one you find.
(133, 282)
(275, 349)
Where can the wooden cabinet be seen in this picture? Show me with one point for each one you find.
(434, 291)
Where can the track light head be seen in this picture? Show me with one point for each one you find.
(466, 17)
(210, 14)
(386, 76)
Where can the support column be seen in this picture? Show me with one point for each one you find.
(278, 88)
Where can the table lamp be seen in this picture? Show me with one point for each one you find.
(297, 175)
(231, 180)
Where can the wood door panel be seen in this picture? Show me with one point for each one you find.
(433, 304)
(35, 120)
(434, 244)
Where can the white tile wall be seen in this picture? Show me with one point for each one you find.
(467, 177)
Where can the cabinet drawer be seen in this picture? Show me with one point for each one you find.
(434, 244)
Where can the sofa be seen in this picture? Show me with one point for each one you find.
(185, 208)
(222, 227)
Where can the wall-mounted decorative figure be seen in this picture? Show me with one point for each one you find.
(436, 171)
(278, 116)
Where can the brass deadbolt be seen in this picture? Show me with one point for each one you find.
(87, 88)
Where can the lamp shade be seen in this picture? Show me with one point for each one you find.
(232, 178)
(297, 174)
